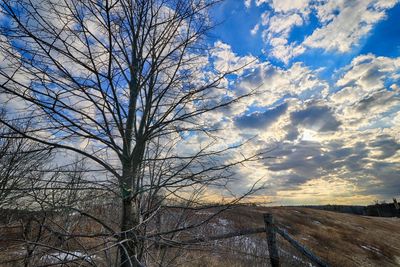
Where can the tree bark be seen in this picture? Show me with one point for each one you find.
(130, 244)
(130, 219)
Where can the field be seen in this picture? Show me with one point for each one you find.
(339, 239)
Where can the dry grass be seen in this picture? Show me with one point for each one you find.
(340, 239)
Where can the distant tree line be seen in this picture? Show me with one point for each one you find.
(381, 209)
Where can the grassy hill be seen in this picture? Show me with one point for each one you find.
(340, 239)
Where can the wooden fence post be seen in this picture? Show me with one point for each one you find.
(270, 229)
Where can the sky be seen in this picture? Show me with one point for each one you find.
(327, 106)
(324, 109)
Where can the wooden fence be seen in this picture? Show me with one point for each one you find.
(271, 229)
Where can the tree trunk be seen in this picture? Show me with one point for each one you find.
(130, 249)
(130, 245)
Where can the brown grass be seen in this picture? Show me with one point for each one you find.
(340, 239)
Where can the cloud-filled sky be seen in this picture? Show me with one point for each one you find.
(327, 106)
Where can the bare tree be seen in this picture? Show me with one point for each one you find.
(20, 162)
(122, 83)
(32, 190)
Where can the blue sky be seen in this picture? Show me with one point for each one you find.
(328, 74)
(235, 22)
(324, 83)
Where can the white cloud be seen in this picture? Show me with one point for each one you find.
(288, 5)
(369, 72)
(343, 24)
(226, 60)
(265, 18)
(368, 90)
(260, 2)
(255, 29)
(282, 24)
